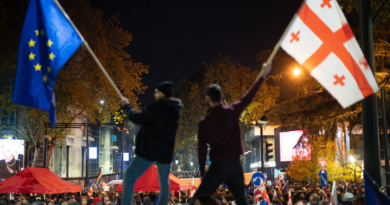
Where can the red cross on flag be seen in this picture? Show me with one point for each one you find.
(321, 40)
(289, 202)
(192, 192)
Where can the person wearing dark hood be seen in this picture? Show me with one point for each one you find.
(220, 129)
(155, 140)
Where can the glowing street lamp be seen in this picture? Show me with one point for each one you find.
(102, 102)
(351, 158)
(297, 71)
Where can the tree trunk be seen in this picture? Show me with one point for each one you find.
(36, 154)
(27, 150)
(53, 144)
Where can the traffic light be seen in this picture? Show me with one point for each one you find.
(268, 151)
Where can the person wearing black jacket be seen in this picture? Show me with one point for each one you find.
(155, 141)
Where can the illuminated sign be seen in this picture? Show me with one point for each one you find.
(125, 156)
(93, 153)
(287, 141)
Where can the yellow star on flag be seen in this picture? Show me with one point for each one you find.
(48, 69)
(42, 32)
(31, 56)
(44, 78)
(37, 67)
(36, 32)
(31, 43)
(49, 43)
(51, 56)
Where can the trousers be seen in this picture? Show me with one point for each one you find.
(135, 171)
(228, 171)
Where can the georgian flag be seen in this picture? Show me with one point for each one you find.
(261, 191)
(289, 202)
(322, 42)
(333, 196)
(192, 192)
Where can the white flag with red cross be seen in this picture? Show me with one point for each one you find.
(261, 191)
(192, 192)
(289, 202)
(321, 40)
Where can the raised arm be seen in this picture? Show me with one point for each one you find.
(137, 117)
(248, 97)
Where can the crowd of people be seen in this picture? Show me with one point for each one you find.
(347, 194)
(186, 174)
(97, 198)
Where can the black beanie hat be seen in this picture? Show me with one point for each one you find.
(165, 87)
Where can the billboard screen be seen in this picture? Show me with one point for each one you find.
(11, 157)
(93, 153)
(125, 156)
(287, 141)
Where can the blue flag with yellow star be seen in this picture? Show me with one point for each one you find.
(48, 40)
(250, 188)
(374, 194)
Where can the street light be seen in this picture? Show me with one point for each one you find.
(352, 159)
(297, 71)
(102, 101)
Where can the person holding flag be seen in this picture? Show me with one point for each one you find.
(220, 129)
(155, 140)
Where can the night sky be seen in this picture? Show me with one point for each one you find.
(174, 38)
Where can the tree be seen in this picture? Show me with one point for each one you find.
(80, 84)
(235, 80)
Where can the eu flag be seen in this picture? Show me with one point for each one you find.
(48, 40)
(374, 194)
(250, 188)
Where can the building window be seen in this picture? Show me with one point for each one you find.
(7, 118)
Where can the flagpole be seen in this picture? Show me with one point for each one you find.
(89, 49)
(276, 48)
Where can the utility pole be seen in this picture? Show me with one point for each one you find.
(385, 141)
(369, 110)
(87, 159)
(261, 149)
